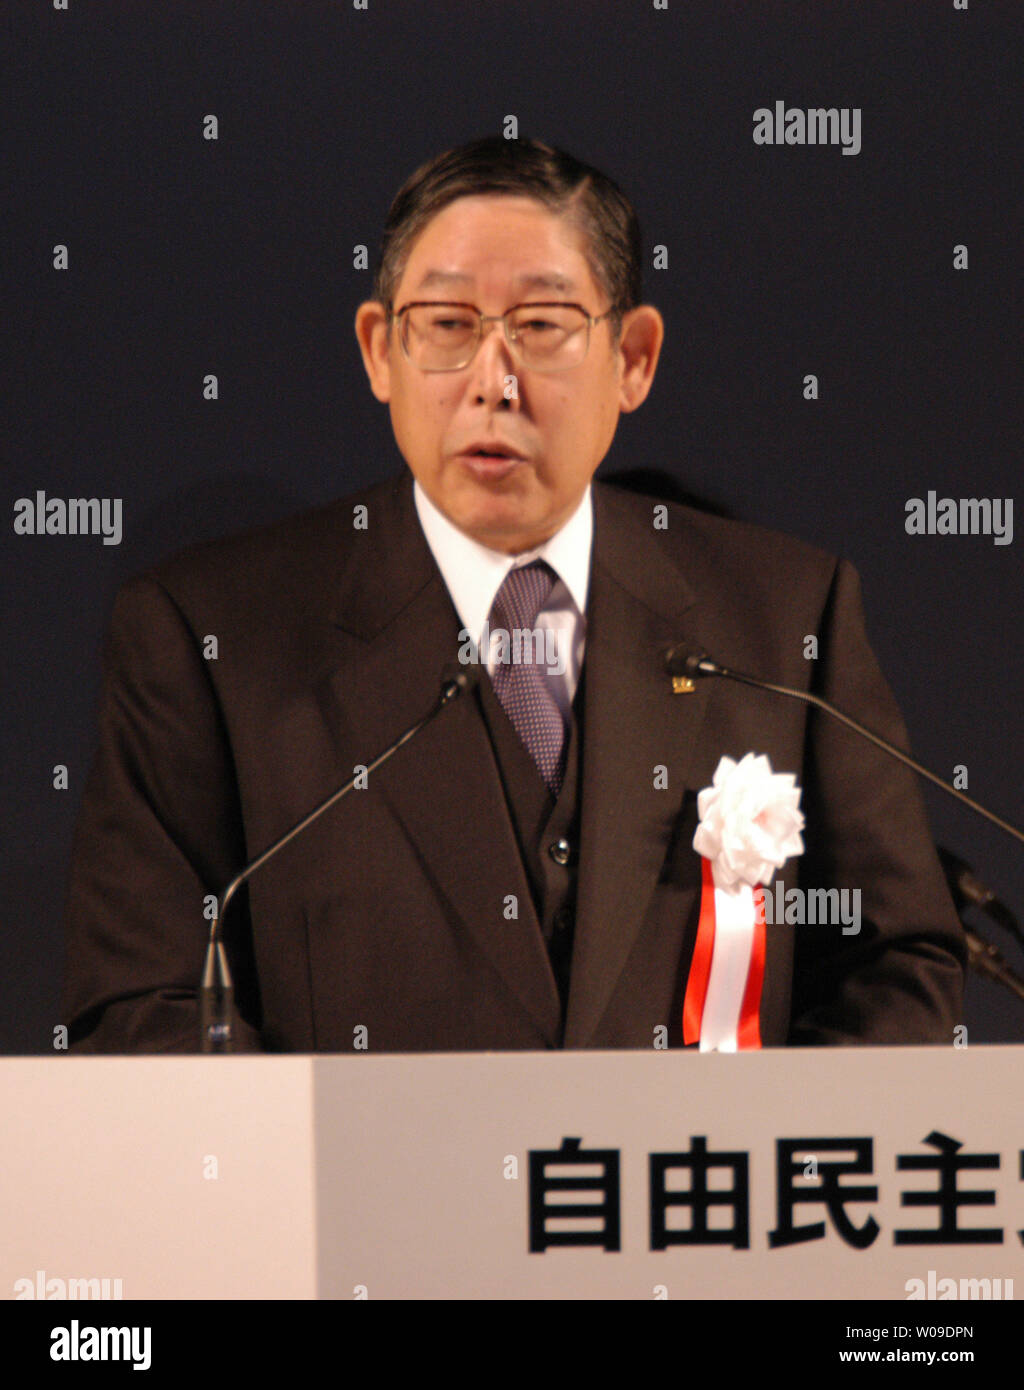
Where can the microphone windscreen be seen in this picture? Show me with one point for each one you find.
(463, 675)
(681, 660)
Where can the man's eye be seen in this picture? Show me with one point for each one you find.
(539, 325)
(449, 324)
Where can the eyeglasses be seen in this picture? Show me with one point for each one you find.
(542, 337)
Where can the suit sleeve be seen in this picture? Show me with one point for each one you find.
(158, 833)
(900, 978)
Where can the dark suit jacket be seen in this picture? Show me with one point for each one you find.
(389, 913)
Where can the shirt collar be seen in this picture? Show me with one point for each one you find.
(474, 573)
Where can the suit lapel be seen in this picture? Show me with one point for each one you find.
(397, 625)
(638, 604)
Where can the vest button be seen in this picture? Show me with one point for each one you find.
(562, 919)
(560, 851)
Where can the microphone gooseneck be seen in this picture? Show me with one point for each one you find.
(681, 660)
(217, 1012)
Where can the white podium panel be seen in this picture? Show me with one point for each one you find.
(182, 1177)
(437, 1176)
(416, 1199)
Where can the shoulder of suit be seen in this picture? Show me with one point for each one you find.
(285, 554)
(700, 541)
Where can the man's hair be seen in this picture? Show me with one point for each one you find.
(523, 168)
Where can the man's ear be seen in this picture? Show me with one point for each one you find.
(372, 335)
(643, 332)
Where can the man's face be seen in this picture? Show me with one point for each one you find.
(494, 252)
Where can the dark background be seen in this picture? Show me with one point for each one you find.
(235, 257)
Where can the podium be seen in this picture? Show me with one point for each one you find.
(848, 1173)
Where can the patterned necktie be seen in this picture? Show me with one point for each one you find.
(522, 686)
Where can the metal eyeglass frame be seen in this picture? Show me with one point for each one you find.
(483, 318)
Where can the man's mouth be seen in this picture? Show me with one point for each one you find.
(491, 461)
(491, 451)
(491, 466)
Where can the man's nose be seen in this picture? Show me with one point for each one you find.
(493, 363)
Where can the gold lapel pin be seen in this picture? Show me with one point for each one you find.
(682, 685)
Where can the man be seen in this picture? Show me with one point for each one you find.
(522, 874)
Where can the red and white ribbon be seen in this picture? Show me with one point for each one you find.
(722, 1008)
(749, 823)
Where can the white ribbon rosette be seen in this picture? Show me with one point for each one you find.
(750, 821)
(750, 824)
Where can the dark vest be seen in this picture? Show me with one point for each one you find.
(546, 827)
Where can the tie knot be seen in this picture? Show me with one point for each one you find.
(523, 594)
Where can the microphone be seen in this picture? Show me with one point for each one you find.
(969, 891)
(217, 1005)
(681, 660)
(987, 960)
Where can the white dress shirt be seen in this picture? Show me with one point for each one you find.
(474, 573)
